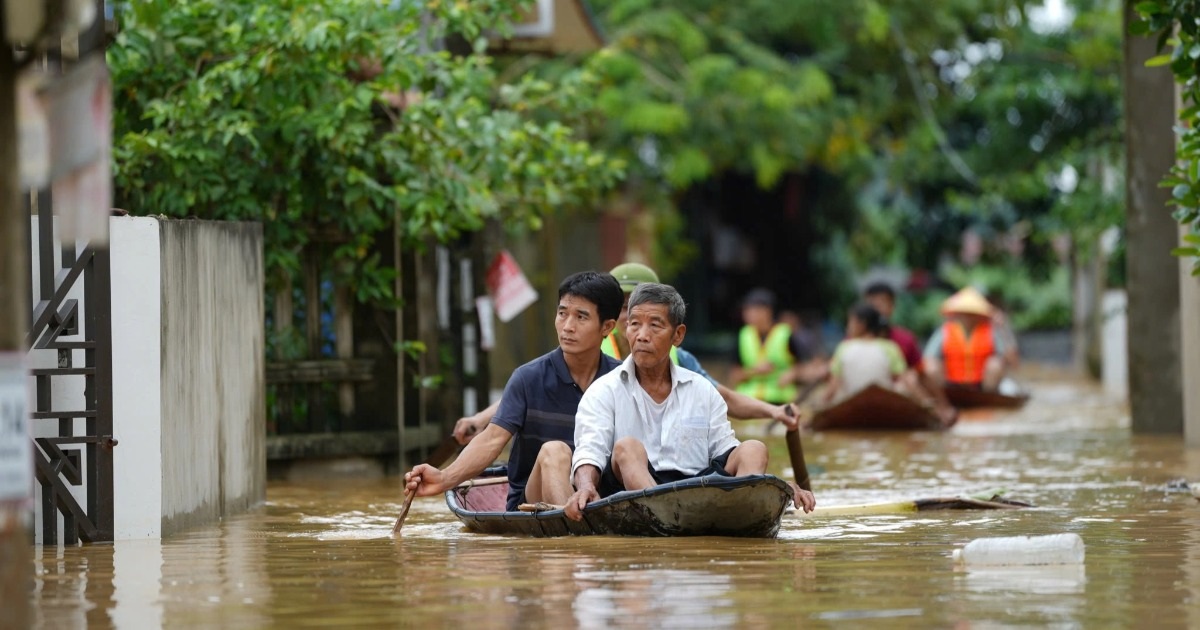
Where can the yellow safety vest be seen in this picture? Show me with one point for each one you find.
(753, 351)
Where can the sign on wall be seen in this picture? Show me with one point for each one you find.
(510, 289)
(16, 450)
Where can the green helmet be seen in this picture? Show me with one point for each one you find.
(632, 274)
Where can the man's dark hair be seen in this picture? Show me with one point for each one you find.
(601, 289)
(872, 320)
(665, 294)
(880, 288)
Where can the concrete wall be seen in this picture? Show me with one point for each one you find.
(213, 405)
(188, 387)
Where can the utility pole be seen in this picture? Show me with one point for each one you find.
(15, 485)
(1152, 273)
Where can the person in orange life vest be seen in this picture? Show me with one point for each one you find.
(629, 275)
(770, 358)
(965, 350)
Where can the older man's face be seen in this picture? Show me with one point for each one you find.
(651, 335)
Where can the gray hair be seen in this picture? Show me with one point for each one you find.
(665, 294)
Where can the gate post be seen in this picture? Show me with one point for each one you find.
(15, 550)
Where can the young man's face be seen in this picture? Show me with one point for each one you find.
(882, 303)
(651, 334)
(579, 326)
(758, 315)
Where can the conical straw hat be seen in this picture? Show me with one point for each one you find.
(967, 302)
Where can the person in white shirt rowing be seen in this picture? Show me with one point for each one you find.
(650, 422)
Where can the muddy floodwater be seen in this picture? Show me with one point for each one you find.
(322, 555)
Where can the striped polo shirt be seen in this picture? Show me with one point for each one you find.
(538, 406)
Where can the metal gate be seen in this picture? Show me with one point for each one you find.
(72, 320)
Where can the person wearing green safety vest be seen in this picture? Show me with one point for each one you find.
(768, 352)
(629, 275)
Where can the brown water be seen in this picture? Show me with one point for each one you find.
(322, 555)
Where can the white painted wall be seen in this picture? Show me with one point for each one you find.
(137, 368)
(1114, 349)
(1189, 321)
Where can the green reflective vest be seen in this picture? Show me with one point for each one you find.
(609, 346)
(753, 351)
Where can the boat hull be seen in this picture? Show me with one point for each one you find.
(747, 507)
(876, 408)
(973, 398)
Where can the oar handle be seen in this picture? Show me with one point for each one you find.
(796, 454)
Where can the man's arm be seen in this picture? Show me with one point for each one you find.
(468, 427)
(595, 429)
(720, 431)
(427, 480)
(743, 407)
(933, 349)
(586, 481)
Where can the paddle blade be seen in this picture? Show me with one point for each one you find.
(408, 497)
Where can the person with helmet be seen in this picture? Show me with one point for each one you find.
(768, 353)
(629, 275)
(650, 422)
(966, 351)
(741, 407)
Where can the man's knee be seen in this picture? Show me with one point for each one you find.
(628, 447)
(749, 458)
(554, 453)
(752, 449)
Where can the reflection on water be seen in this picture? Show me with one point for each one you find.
(322, 555)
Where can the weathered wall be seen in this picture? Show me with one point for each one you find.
(213, 424)
(1152, 274)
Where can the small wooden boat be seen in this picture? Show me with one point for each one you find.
(877, 408)
(966, 397)
(747, 507)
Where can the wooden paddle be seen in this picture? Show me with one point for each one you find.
(796, 454)
(408, 497)
(439, 456)
(994, 502)
(795, 449)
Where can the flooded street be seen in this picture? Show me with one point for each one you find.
(322, 555)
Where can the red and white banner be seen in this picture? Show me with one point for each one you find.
(510, 289)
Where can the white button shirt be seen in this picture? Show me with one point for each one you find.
(695, 426)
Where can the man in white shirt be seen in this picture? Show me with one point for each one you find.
(649, 421)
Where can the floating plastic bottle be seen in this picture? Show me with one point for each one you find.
(1022, 550)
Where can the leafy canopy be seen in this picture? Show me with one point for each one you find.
(1162, 18)
(331, 119)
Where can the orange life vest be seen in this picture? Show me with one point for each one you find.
(965, 356)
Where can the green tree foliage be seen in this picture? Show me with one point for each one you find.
(340, 117)
(1020, 138)
(1174, 23)
(937, 117)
